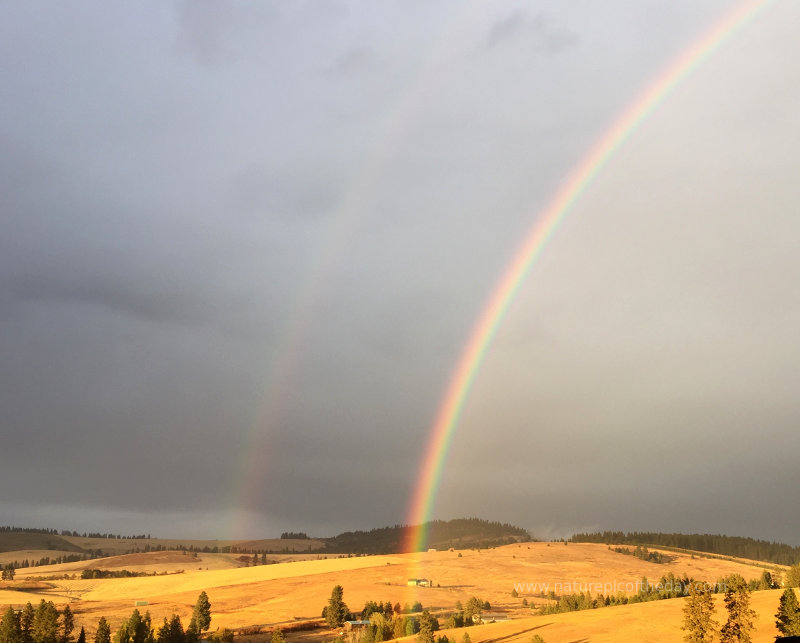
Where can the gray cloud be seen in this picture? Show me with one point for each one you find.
(536, 32)
(242, 248)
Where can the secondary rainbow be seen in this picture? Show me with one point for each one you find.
(576, 184)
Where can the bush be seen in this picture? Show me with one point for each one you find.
(221, 636)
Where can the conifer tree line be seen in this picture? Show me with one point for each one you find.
(765, 551)
(68, 532)
(46, 624)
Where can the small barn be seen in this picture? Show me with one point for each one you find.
(349, 626)
(491, 617)
(420, 582)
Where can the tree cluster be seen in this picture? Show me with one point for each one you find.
(139, 629)
(468, 614)
(698, 613)
(44, 624)
(112, 573)
(643, 553)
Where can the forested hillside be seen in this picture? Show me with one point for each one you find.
(442, 534)
(736, 546)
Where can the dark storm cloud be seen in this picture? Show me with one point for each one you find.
(243, 246)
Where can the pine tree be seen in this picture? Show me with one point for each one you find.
(82, 635)
(428, 624)
(45, 623)
(425, 628)
(788, 616)
(202, 613)
(792, 578)
(67, 624)
(10, 630)
(698, 614)
(336, 612)
(278, 637)
(171, 631)
(137, 629)
(26, 623)
(740, 617)
(103, 634)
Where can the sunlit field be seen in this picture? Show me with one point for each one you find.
(290, 593)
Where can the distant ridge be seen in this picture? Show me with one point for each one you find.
(40, 539)
(463, 533)
(736, 546)
(460, 533)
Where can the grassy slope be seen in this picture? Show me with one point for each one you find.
(11, 541)
(659, 622)
(117, 547)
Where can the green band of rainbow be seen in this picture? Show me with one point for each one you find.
(505, 291)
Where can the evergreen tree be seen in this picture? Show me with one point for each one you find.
(698, 614)
(192, 635)
(788, 616)
(82, 635)
(428, 624)
(398, 627)
(202, 613)
(792, 578)
(26, 623)
(67, 624)
(10, 630)
(336, 612)
(137, 629)
(103, 634)
(45, 623)
(473, 608)
(278, 637)
(740, 617)
(171, 631)
(381, 627)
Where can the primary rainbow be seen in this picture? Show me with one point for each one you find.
(579, 179)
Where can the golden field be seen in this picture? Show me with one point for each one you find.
(295, 591)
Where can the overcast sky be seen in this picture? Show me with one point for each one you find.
(243, 244)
